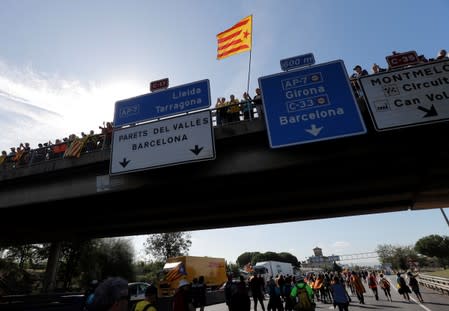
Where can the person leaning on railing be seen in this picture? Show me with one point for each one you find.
(233, 109)
(247, 107)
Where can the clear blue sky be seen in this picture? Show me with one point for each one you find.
(63, 65)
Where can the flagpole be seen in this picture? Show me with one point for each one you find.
(249, 72)
(250, 52)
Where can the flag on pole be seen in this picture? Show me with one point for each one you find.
(236, 39)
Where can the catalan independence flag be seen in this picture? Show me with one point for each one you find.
(236, 39)
(74, 150)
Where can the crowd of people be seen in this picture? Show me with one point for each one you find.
(375, 68)
(68, 147)
(292, 293)
(284, 293)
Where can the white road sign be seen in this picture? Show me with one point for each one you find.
(178, 140)
(408, 97)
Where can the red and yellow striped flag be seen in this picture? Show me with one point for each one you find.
(74, 149)
(236, 39)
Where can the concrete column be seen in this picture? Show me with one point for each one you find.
(52, 267)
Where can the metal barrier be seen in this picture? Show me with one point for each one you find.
(434, 282)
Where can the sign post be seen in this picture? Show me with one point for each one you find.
(310, 104)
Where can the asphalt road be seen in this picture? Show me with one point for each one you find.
(433, 301)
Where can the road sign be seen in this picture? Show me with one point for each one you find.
(297, 61)
(408, 97)
(310, 104)
(178, 140)
(402, 59)
(175, 100)
(159, 85)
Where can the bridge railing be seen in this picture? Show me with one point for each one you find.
(434, 282)
(99, 142)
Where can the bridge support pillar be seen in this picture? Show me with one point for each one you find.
(52, 267)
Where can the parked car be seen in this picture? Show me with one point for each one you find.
(136, 290)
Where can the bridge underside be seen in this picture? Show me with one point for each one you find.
(247, 184)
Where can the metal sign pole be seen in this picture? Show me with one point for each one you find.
(444, 215)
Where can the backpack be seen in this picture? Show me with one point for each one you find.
(146, 308)
(384, 283)
(304, 303)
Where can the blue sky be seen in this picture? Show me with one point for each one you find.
(63, 65)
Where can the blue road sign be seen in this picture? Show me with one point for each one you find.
(175, 100)
(297, 61)
(310, 104)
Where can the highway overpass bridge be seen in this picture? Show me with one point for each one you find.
(248, 183)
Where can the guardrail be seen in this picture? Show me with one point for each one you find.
(434, 282)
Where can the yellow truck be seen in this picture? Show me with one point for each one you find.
(188, 268)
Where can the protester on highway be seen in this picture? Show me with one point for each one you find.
(372, 283)
(89, 294)
(182, 300)
(339, 294)
(150, 301)
(413, 282)
(256, 285)
(403, 289)
(240, 299)
(302, 294)
(385, 285)
(111, 295)
(229, 291)
(358, 286)
(198, 290)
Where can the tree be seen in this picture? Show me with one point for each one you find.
(233, 268)
(434, 246)
(149, 271)
(22, 254)
(398, 256)
(254, 257)
(385, 253)
(165, 245)
(246, 258)
(107, 257)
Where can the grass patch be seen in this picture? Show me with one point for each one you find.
(441, 274)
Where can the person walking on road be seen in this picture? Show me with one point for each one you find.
(403, 289)
(256, 286)
(413, 282)
(150, 301)
(386, 286)
(372, 283)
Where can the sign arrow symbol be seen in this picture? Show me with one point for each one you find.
(197, 150)
(125, 162)
(432, 112)
(314, 130)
